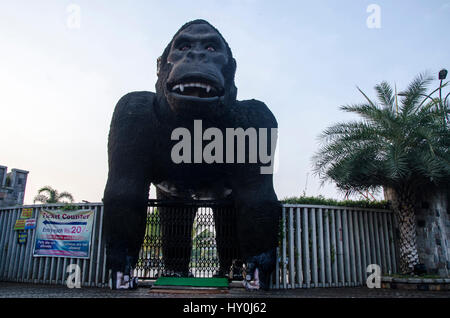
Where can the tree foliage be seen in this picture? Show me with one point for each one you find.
(320, 200)
(48, 195)
(393, 145)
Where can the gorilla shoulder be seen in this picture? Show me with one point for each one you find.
(135, 104)
(256, 114)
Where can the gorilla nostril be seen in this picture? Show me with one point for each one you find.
(196, 55)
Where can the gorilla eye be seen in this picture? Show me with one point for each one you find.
(185, 47)
(211, 48)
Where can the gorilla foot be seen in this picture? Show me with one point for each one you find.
(120, 281)
(258, 270)
(252, 282)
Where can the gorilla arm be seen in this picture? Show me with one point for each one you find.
(258, 214)
(127, 188)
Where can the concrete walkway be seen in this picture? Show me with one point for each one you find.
(22, 290)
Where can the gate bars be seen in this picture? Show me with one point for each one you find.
(199, 223)
(320, 246)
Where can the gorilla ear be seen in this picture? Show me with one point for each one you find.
(233, 65)
(158, 65)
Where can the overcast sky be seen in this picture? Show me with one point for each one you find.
(65, 64)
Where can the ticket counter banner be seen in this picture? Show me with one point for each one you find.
(64, 233)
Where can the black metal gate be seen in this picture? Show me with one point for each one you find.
(181, 237)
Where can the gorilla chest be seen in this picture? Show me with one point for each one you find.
(192, 181)
(187, 190)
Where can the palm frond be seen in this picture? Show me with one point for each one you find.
(46, 189)
(65, 195)
(431, 94)
(48, 194)
(367, 98)
(40, 198)
(385, 95)
(52, 194)
(414, 93)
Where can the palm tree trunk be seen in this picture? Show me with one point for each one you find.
(403, 205)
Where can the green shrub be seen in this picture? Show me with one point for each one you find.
(320, 200)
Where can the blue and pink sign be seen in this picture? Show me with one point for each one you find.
(64, 233)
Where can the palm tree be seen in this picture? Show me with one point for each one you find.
(401, 147)
(48, 195)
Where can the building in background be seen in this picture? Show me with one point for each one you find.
(12, 186)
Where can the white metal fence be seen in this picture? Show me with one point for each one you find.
(320, 246)
(17, 263)
(324, 246)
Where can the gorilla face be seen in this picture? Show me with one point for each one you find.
(199, 80)
(198, 56)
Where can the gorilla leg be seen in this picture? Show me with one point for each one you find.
(257, 235)
(226, 238)
(124, 223)
(176, 229)
(258, 215)
(125, 199)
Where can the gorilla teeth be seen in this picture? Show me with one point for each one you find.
(182, 86)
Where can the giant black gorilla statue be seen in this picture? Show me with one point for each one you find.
(195, 82)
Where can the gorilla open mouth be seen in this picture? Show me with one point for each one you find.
(196, 87)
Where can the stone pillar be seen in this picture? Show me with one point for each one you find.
(3, 190)
(3, 171)
(433, 229)
(18, 183)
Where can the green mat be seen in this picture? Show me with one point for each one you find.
(191, 282)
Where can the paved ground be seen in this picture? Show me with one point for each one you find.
(21, 290)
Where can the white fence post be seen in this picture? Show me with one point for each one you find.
(298, 244)
(307, 260)
(334, 251)
(283, 251)
(352, 252)
(326, 218)
(315, 274)
(291, 249)
(321, 248)
(390, 217)
(359, 270)
(362, 237)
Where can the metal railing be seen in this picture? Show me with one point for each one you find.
(17, 263)
(325, 246)
(320, 246)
